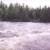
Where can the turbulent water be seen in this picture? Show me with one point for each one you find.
(24, 36)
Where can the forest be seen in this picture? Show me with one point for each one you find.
(18, 13)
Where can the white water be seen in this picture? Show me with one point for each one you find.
(24, 36)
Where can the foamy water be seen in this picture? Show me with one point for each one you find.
(24, 36)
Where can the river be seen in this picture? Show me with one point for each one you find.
(24, 36)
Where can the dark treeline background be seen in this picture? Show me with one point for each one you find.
(18, 13)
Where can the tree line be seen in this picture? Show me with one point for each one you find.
(18, 13)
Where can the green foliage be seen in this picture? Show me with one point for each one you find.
(23, 13)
